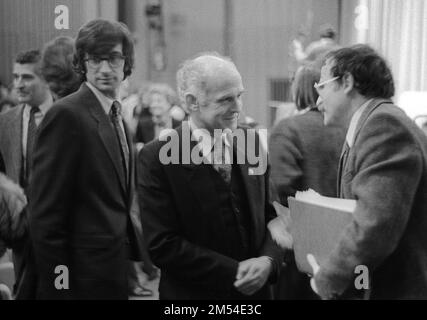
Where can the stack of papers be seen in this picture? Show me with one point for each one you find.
(317, 225)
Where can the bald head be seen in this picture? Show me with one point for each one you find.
(211, 87)
(194, 74)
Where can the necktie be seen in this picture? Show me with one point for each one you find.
(222, 162)
(31, 135)
(343, 161)
(115, 119)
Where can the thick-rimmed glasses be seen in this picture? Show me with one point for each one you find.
(319, 86)
(114, 60)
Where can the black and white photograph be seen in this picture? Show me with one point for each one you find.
(218, 156)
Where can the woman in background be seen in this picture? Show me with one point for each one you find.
(161, 101)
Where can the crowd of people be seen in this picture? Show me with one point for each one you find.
(85, 183)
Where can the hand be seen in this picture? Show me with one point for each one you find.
(315, 266)
(280, 227)
(297, 44)
(252, 274)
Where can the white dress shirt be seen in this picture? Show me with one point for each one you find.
(353, 123)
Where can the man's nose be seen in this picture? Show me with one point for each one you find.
(237, 105)
(18, 83)
(105, 66)
(319, 102)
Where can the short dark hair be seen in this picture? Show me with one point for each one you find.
(372, 76)
(57, 66)
(30, 56)
(98, 36)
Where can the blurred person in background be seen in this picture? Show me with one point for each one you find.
(159, 98)
(57, 67)
(304, 154)
(317, 50)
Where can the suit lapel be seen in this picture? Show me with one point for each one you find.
(375, 103)
(14, 133)
(346, 150)
(253, 188)
(106, 133)
(198, 175)
(131, 184)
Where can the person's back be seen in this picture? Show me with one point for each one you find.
(304, 154)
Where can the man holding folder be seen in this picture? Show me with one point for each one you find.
(384, 168)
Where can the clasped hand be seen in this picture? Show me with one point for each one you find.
(252, 274)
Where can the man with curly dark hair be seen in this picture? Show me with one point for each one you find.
(80, 206)
(383, 167)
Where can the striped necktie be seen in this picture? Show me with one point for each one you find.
(116, 119)
(342, 163)
(222, 161)
(31, 136)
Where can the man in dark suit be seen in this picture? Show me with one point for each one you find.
(205, 223)
(17, 135)
(384, 168)
(80, 205)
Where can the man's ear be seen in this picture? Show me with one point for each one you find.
(191, 102)
(348, 82)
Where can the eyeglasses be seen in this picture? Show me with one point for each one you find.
(114, 60)
(319, 86)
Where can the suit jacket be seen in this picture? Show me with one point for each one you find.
(80, 202)
(386, 172)
(11, 141)
(183, 228)
(11, 151)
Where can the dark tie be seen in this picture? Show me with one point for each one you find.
(342, 163)
(116, 119)
(220, 164)
(31, 135)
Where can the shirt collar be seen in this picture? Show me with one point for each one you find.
(353, 123)
(105, 101)
(206, 141)
(44, 107)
